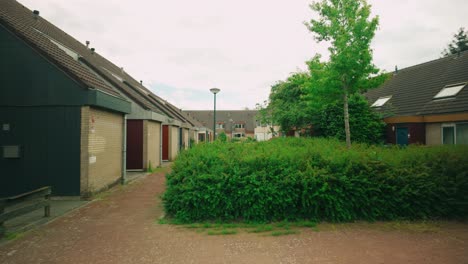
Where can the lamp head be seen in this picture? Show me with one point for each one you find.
(215, 90)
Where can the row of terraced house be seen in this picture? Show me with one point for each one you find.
(70, 118)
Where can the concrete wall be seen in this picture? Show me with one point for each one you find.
(433, 134)
(264, 133)
(151, 144)
(101, 149)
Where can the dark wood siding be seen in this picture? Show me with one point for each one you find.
(417, 132)
(49, 139)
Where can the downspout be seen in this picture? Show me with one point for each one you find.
(124, 151)
(160, 144)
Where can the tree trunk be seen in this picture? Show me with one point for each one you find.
(346, 118)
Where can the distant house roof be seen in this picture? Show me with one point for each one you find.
(79, 61)
(419, 90)
(228, 117)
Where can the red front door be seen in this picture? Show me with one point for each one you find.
(165, 142)
(134, 144)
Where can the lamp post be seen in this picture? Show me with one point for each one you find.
(214, 91)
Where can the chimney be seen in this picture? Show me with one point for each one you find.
(141, 82)
(36, 14)
(396, 70)
(92, 50)
(87, 44)
(121, 69)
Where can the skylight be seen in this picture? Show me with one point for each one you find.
(381, 101)
(114, 75)
(67, 50)
(450, 90)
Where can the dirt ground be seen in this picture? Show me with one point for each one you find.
(121, 227)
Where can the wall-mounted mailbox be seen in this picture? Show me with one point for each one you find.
(12, 152)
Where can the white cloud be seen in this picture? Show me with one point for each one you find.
(241, 46)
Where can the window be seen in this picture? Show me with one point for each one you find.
(239, 125)
(114, 75)
(462, 134)
(381, 101)
(450, 91)
(67, 50)
(220, 126)
(238, 135)
(455, 134)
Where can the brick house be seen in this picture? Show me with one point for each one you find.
(426, 103)
(61, 125)
(85, 111)
(235, 123)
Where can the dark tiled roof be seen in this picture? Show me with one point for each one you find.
(21, 21)
(38, 32)
(228, 117)
(413, 88)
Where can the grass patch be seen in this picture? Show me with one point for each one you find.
(261, 229)
(310, 224)
(222, 232)
(284, 232)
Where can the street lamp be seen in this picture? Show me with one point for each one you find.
(214, 91)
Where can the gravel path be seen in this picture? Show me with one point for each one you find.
(122, 228)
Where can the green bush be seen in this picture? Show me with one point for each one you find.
(366, 125)
(317, 179)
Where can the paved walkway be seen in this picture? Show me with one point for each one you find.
(121, 228)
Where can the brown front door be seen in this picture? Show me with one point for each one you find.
(134, 144)
(165, 143)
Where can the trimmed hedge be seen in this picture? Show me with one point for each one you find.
(317, 179)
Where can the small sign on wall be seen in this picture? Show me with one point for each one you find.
(92, 159)
(11, 152)
(6, 127)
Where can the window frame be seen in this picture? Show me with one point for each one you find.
(385, 99)
(454, 125)
(449, 86)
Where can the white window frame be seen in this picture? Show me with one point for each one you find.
(238, 133)
(381, 101)
(454, 125)
(442, 94)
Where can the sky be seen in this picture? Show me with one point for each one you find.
(182, 48)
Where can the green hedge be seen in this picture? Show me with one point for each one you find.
(317, 179)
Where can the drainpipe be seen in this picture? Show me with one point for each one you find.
(124, 151)
(160, 144)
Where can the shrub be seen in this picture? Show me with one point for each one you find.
(317, 179)
(366, 125)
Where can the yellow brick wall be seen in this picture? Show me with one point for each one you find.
(433, 134)
(104, 149)
(151, 144)
(173, 142)
(186, 138)
(84, 155)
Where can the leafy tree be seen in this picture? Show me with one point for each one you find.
(347, 25)
(288, 106)
(367, 126)
(459, 43)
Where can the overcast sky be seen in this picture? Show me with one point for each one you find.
(182, 48)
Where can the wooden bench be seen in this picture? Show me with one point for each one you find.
(23, 204)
